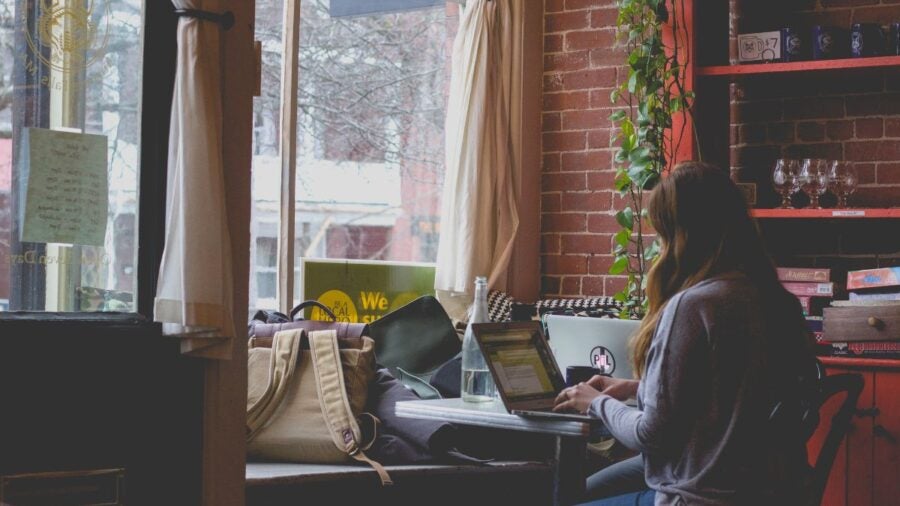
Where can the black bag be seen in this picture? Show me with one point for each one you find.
(413, 341)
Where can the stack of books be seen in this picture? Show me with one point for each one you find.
(813, 288)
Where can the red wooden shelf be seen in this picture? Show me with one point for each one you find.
(826, 213)
(800, 66)
(880, 363)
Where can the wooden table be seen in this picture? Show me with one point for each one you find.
(571, 437)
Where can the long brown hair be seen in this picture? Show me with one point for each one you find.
(705, 229)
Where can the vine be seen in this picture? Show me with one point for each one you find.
(652, 92)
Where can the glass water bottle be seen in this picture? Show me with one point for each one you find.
(477, 383)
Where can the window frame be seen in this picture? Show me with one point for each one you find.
(159, 60)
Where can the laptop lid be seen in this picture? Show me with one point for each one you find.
(598, 342)
(521, 363)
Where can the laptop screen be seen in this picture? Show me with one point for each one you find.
(521, 361)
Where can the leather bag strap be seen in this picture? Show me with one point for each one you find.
(342, 424)
(283, 362)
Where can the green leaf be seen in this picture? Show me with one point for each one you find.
(617, 115)
(619, 266)
(625, 218)
(622, 237)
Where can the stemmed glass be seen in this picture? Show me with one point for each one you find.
(844, 180)
(813, 180)
(785, 180)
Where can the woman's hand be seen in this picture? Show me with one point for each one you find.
(577, 398)
(619, 389)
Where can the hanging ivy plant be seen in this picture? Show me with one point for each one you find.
(652, 93)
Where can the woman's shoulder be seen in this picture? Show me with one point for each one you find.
(725, 288)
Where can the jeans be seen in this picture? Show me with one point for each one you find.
(620, 478)
(644, 498)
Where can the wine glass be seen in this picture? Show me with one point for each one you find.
(844, 181)
(784, 179)
(813, 179)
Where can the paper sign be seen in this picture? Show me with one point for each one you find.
(63, 178)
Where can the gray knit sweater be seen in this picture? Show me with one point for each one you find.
(704, 401)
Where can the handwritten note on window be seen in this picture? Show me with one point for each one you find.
(66, 188)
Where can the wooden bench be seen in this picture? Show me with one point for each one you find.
(498, 483)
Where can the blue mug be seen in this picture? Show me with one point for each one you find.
(792, 47)
(824, 42)
(894, 46)
(866, 39)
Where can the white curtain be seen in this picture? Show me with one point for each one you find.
(194, 294)
(479, 213)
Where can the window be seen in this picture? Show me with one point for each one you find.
(70, 154)
(371, 98)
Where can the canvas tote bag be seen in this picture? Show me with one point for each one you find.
(304, 405)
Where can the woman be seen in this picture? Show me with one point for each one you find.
(721, 343)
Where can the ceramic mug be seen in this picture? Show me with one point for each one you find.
(866, 39)
(792, 47)
(824, 42)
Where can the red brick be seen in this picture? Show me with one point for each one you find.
(550, 285)
(554, 5)
(585, 201)
(589, 39)
(565, 21)
(592, 286)
(869, 128)
(602, 179)
(761, 111)
(784, 132)
(602, 223)
(865, 172)
(608, 56)
(585, 160)
(564, 141)
(589, 79)
(583, 243)
(566, 101)
(813, 108)
(868, 151)
(828, 4)
(873, 104)
(892, 127)
(600, 264)
(550, 243)
(565, 264)
(567, 62)
(840, 130)
(614, 284)
(584, 120)
(600, 99)
(888, 173)
(876, 14)
(600, 138)
(551, 203)
(752, 133)
(880, 196)
(571, 286)
(553, 82)
(551, 162)
(551, 122)
(553, 43)
(585, 4)
(564, 181)
(829, 151)
(811, 131)
(604, 18)
(564, 222)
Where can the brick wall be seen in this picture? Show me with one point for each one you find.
(577, 201)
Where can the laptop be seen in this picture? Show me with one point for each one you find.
(598, 342)
(524, 370)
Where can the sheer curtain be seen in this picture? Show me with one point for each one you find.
(194, 294)
(479, 213)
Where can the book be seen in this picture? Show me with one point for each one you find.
(873, 278)
(797, 274)
(810, 289)
(864, 303)
(875, 296)
(867, 348)
(814, 323)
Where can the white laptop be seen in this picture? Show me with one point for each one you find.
(597, 342)
(523, 368)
